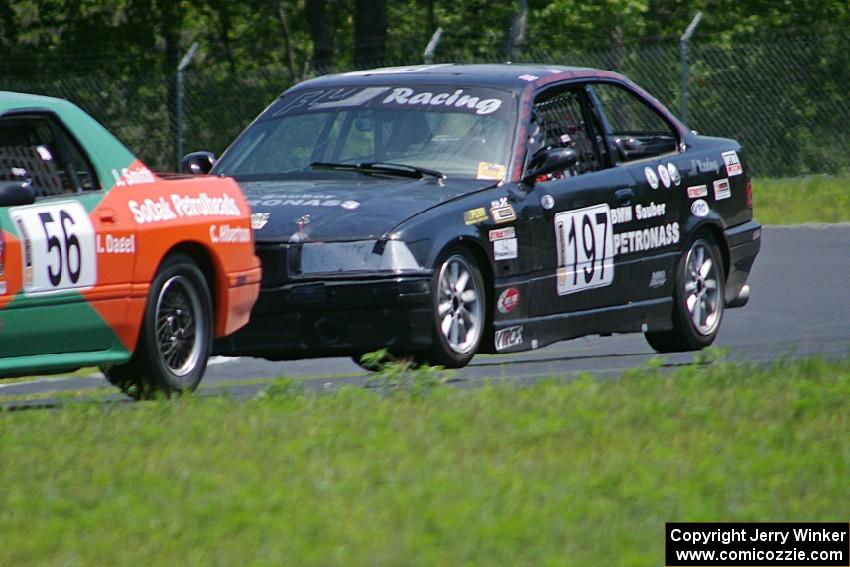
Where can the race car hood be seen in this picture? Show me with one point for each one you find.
(357, 208)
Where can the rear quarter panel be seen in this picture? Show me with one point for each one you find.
(205, 217)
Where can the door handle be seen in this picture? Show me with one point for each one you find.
(624, 196)
(107, 215)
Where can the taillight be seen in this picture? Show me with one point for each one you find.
(749, 194)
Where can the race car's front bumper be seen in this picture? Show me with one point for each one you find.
(744, 244)
(336, 317)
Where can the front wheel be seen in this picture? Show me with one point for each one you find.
(698, 300)
(176, 335)
(459, 311)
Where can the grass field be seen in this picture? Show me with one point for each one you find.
(817, 198)
(584, 473)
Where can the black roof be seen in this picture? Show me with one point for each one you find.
(506, 75)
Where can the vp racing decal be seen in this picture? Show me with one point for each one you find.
(441, 98)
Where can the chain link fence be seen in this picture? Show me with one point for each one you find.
(785, 100)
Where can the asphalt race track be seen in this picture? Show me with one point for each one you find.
(800, 305)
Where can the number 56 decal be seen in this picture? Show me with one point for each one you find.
(585, 247)
(58, 247)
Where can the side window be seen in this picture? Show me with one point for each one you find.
(636, 130)
(37, 148)
(561, 119)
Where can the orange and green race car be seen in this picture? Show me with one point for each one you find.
(104, 263)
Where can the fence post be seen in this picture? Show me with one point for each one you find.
(683, 66)
(516, 33)
(428, 56)
(180, 68)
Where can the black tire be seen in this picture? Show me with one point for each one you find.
(694, 299)
(463, 311)
(176, 335)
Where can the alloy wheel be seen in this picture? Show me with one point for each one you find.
(460, 309)
(702, 293)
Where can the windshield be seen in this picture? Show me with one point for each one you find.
(460, 132)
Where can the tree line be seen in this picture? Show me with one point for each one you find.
(304, 37)
(771, 74)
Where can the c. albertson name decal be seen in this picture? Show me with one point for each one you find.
(226, 234)
(180, 206)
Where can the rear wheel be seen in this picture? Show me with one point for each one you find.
(176, 334)
(697, 300)
(458, 310)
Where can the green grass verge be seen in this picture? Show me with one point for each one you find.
(580, 473)
(818, 198)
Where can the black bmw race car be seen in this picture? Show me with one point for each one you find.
(441, 211)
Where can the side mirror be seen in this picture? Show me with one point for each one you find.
(16, 193)
(197, 163)
(550, 161)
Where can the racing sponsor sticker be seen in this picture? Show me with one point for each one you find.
(475, 216)
(547, 202)
(178, 206)
(259, 220)
(646, 239)
(658, 279)
(508, 300)
(699, 208)
(705, 165)
(302, 200)
(502, 211)
(585, 248)
(502, 233)
(505, 249)
(721, 189)
(651, 177)
(675, 176)
(59, 247)
(508, 337)
(733, 164)
(664, 174)
(697, 191)
(504, 243)
(487, 170)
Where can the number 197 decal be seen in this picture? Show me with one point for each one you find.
(58, 246)
(585, 247)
